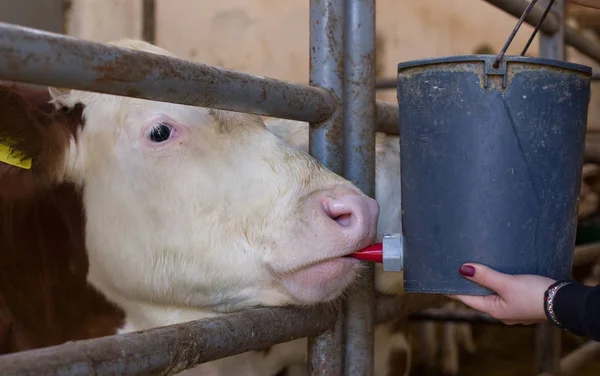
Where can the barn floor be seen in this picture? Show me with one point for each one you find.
(504, 351)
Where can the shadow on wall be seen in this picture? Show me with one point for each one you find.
(484, 49)
(379, 55)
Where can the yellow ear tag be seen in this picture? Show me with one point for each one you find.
(12, 157)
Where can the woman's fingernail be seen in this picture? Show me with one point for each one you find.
(467, 270)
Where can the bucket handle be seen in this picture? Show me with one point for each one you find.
(516, 28)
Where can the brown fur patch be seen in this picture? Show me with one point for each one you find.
(42, 136)
(34, 94)
(45, 299)
(43, 268)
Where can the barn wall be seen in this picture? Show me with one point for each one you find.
(104, 20)
(270, 37)
(40, 14)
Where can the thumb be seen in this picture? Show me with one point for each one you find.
(486, 277)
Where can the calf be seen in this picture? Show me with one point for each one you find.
(172, 212)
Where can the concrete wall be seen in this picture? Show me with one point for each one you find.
(48, 14)
(104, 20)
(270, 37)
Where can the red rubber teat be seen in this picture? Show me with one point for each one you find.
(373, 253)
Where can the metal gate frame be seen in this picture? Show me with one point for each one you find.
(339, 101)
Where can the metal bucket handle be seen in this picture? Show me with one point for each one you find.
(516, 28)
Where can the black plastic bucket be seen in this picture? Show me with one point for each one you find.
(491, 167)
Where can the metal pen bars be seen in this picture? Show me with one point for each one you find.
(340, 101)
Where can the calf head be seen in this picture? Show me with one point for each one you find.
(190, 207)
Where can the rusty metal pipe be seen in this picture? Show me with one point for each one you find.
(325, 352)
(582, 44)
(387, 118)
(360, 113)
(326, 71)
(172, 349)
(32, 56)
(517, 7)
(551, 25)
(454, 315)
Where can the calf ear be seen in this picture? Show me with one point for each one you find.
(34, 145)
(60, 97)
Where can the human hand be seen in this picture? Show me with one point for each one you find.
(519, 299)
(588, 3)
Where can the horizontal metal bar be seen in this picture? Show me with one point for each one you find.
(417, 307)
(386, 83)
(387, 118)
(517, 7)
(172, 349)
(454, 315)
(550, 26)
(32, 56)
(35, 57)
(582, 44)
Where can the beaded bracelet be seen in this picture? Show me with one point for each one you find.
(549, 302)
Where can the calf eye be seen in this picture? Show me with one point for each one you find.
(161, 132)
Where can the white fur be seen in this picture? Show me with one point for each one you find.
(223, 217)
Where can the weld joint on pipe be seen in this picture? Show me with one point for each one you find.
(334, 103)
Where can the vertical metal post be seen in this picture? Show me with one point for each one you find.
(548, 338)
(325, 352)
(553, 46)
(149, 21)
(359, 168)
(326, 71)
(547, 350)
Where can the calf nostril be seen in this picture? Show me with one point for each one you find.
(344, 220)
(343, 211)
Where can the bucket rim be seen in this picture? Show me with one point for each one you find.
(491, 58)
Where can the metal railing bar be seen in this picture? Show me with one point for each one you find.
(387, 118)
(172, 349)
(325, 351)
(550, 26)
(31, 56)
(47, 59)
(360, 118)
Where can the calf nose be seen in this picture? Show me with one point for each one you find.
(352, 214)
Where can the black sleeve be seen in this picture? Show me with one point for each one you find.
(577, 308)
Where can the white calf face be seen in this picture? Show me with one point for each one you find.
(192, 207)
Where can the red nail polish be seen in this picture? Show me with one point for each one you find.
(467, 270)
